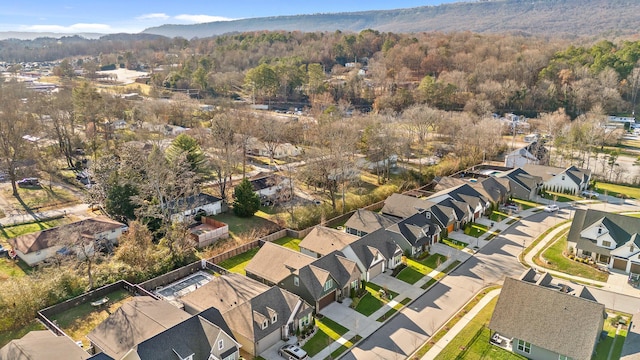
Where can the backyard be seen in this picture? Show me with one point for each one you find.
(372, 301)
(239, 227)
(473, 341)
(79, 321)
(614, 190)
(612, 343)
(417, 269)
(237, 263)
(557, 261)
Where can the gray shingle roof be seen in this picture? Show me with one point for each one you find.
(416, 229)
(43, 345)
(402, 206)
(621, 227)
(134, 322)
(379, 240)
(368, 221)
(559, 322)
(341, 268)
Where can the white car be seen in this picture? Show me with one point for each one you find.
(292, 352)
(590, 194)
(551, 208)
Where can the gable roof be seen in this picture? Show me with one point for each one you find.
(575, 174)
(244, 303)
(264, 181)
(191, 202)
(493, 188)
(274, 262)
(535, 151)
(323, 240)
(379, 240)
(622, 229)
(416, 229)
(46, 238)
(43, 345)
(522, 178)
(368, 221)
(135, 321)
(339, 266)
(527, 311)
(403, 206)
(195, 336)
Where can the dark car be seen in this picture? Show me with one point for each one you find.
(29, 182)
(3, 251)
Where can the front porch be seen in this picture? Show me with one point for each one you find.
(501, 341)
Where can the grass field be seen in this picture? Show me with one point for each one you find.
(614, 190)
(417, 269)
(77, 322)
(475, 229)
(289, 242)
(525, 204)
(371, 302)
(237, 263)
(328, 332)
(40, 198)
(6, 336)
(557, 261)
(604, 345)
(394, 309)
(8, 232)
(564, 197)
(473, 341)
(239, 227)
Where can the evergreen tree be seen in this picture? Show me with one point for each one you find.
(246, 201)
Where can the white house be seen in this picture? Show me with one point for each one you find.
(282, 150)
(36, 247)
(201, 203)
(271, 188)
(534, 153)
(572, 179)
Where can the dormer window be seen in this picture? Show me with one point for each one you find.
(274, 318)
(606, 244)
(562, 177)
(296, 281)
(427, 215)
(631, 248)
(220, 344)
(328, 285)
(265, 324)
(599, 230)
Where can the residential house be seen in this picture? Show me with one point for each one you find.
(199, 337)
(363, 222)
(571, 180)
(415, 233)
(97, 232)
(317, 281)
(271, 188)
(134, 322)
(400, 206)
(282, 150)
(374, 253)
(322, 240)
(522, 184)
(609, 239)
(464, 193)
(541, 323)
(203, 204)
(534, 153)
(43, 345)
(258, 315)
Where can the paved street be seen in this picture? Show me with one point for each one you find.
(406, 332)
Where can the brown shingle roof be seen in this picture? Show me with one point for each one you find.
(323, 240)
(40, 240)
(43, 345)
(274, 262)
(559, 322)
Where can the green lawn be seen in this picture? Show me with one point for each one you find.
(614, 189)
(371, 302)
(40, 198)
(8, 232)
(454, 243)
(6, 336)
(77, 322)
(417, 269)
(13, 268)
(344, 347)
(525, 204)
(563, 197)
(239, 226)
(237, 263)
(473, 341)
(393, 310)
(559, 262)
(498, 216)
(475, 229)
(328, 332)
(604, 345)
(289, 242)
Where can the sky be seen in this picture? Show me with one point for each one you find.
(114, 16)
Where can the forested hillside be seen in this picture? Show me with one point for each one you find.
(542, 17)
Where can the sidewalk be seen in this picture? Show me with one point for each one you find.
(451, 334)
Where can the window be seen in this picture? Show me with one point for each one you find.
(562, 357)
(274, 318)
(328, 285)
(524, 346)
(606, 243)
(265, 324)
(631, 248)
(562, 177)
(586, 253)
(428, 215)
(296, 281)
(599, 230)
(354, 284)
(220, 344)
(230, 357)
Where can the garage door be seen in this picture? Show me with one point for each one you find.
(375, 270)
(635, 268)
(326, 300)
(620, 264)
(450, 228)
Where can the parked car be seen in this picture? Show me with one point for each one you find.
(590, 194)
(3, 251)
(26, 182)
(551, 208)
(292, 352)
(511, 208)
